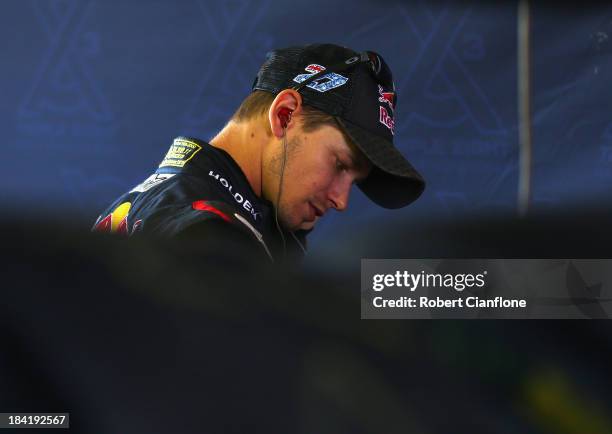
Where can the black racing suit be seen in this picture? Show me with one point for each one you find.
(199, 192)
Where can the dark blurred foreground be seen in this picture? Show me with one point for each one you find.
(142, 336)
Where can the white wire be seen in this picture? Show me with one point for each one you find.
(280, 188)
(278, 196)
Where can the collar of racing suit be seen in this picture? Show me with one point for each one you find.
(257, 214)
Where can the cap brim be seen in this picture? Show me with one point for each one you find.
(393, 182)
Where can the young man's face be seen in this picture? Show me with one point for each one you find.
(320, 169)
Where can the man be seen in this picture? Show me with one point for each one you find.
(319, 119)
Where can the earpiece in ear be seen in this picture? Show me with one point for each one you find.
(284, 114)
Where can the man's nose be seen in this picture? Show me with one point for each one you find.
(339, 195)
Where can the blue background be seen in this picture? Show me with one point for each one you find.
(93, 92)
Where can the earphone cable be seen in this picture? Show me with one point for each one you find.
(280, 188)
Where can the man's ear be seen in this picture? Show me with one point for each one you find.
(283, 110)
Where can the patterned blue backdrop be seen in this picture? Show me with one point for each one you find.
(94, 91)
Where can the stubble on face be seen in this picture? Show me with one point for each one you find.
(285, 154)
(276, 161)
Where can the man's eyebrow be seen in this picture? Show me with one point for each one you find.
(358, 160)
(360, 164)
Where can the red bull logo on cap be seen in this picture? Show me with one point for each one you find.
(387, 120)
(386, 97)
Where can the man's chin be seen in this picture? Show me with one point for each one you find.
(306, 226)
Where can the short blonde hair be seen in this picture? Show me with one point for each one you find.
(259, 101)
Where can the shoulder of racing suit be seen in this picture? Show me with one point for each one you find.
(198, 191)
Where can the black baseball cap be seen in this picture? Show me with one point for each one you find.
(358, 90)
